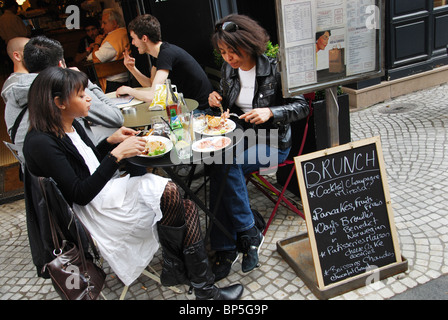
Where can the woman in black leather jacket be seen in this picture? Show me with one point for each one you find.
(250, 87)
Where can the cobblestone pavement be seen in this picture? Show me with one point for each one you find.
(413, 130)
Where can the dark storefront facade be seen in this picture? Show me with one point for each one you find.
(190, 23)
(416, 36)
(415, 31)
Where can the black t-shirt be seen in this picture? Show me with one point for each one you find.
(185, 73)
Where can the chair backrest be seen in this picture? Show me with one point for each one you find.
(15, 152)
(107, 69)
(307, 124)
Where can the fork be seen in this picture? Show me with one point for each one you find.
(230, 114)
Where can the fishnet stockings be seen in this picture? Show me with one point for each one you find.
(171, 206)
(177, 211)
(193, 234)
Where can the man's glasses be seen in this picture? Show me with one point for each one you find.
(228, 26)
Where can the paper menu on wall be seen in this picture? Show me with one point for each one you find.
(299, 27)
(306, 59)
(331, 14)
(361, 41)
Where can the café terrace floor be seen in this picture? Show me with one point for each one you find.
(413, 130)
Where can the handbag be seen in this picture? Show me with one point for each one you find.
(74, 276)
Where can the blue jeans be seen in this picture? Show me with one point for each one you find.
(234, 211)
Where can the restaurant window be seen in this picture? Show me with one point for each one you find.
(440, 3)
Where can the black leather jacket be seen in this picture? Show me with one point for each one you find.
(268, 93)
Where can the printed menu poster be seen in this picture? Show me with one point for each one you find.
(299, 29)
(327, 40)
(361, 40)
(330, 37)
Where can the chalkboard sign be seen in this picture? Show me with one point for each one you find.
(348, 211)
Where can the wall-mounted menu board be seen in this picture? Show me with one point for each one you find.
(325, 43)
(348, 211)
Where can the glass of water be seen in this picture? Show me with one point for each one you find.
(160, 127)
(183, 144)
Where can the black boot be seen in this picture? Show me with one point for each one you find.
(173, 270)
(201, 276)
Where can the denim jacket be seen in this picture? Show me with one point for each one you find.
(268, 93)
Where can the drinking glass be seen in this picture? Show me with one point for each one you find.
(183, 144)
(160, 127)
(186, 119)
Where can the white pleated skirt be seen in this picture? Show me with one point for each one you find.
(122, 219)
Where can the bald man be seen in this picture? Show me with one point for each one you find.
(15, 53)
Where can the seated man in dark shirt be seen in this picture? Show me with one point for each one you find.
(168, 60)
(85, 47)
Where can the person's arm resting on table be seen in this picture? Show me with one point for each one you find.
(147, 96)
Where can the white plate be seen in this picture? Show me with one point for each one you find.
(166, 141)
(230, 126)
(211, 144)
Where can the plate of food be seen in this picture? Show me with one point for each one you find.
(215, 126)
(156, 146)
(211, 144)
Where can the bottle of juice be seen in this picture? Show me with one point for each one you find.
(185, 115)
(174, 120)
(171, 99)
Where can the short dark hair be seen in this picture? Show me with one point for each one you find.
(146, 25)
(89, 21)
(44, 115)
(321, 33)
(8, 4)
(42, 52)
(248, 35)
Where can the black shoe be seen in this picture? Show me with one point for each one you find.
(223, 263)
(250, 242)
(211, 292)
(202, 278)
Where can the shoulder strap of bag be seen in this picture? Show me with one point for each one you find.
(17, 122)
(54, 227)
